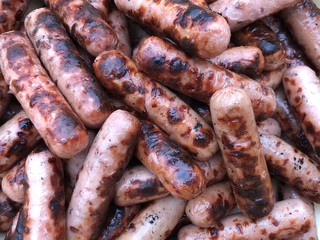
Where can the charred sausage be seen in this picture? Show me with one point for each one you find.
(5, 97)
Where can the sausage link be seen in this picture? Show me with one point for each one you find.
(201, 3)
(156, 221)
(240, 13)
(288, 218)
(202, 109)
(43, 211)
(120, 75)
(271, 79)
(269, 126)
(104, 165)
(13, 109)
(85, 24)
(16, 229)
(5, 97)
(197, 78)
(8, 210)
(18, 137)
(238, 138)
(209, 207)
(51, 115)
(196, 30)
(66, 68)
(102, 5)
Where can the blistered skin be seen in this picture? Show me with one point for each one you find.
(245, 60)
(156, 221)
(119, 75)
(67, 69)
(138, 185)
(197, 30)
(302, 88)
(43, 211)
(291, 166)
(269, 126)
(271, 79)
(58, 125)
(303, 20)
(18, 137)
(85, 23)
(169, 162)
(102, 5)
(288, 218)
(209, 207)
(104, 165)
(197, 78)
(5, 97)
(238, 139)
(11, 14)
(240, 13)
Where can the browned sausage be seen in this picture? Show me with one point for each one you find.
(102, 5)
(5, 97)
(202, 109)
(103, 167)
(13, 109)
(269, 126)
(51, 115)
(271, 79)
(8, 210)
(16, 229)
(201, 3)
(120, 75)
(238, 138)
(197, 30)
(66, 68)
(18, 137)
(85, 24)
(197, 78)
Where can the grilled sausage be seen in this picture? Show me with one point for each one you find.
(201, 3)
(197, 78)
(15, 231)
(209, 207)
(303, 20)
(5, 97)
(288, 218)
(246, 60)
(55, 121)
(103, 167)
(269, 126)
(271, 79)
(238, 138)
(85, 24)
(240, 13)
(66, 68)
(120, 75)
(202, 109)
(18, 137)
(156, 221)
(8, 210)
(102, 5)
(138, 185)
(196, 30)
(13, 109)
(43, 211)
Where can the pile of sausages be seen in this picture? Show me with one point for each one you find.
(184, 119)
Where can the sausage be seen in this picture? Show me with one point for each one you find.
(104, 165)
(302, 88)
(196, 30)
(58, 125)
(138, 185)
(209, 207)
(156, 221)
(8, 210)
(119, 24)
(43, 210)
(303, 19)
(13, 183)
(102, 5)
(238, 139)
(5, 97)
(118, 74)
(15, 231)
(13, 108)
(197, 78)
(202, 109)
(201, 3)
(117, 220)
(260, 35)
(11, 14)
(240, 13)
(269, 126)
(18, 137)
(246, 60)
(66, 68)
(271, 79)
(291, 166)
(85, 23)
(288, 218)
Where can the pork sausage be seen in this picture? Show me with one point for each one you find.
(5, 97)
(8, 210)
(271, 79)
(269, 126)
(13, 108)
(102, 5)
(202, 109)
(201, 3)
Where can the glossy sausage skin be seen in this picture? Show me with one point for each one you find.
(58, 125)
(43, 211)
(169, 162)
(18, 137)
(66, 68)
(271, 79)
(119, 75)
(85, 23)
(104, 165)
(240, 13)
(288, 218)
(5, 97)
(238, 138)
(269, 126)
(197, 30)
(197, 78)
(209, 207)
